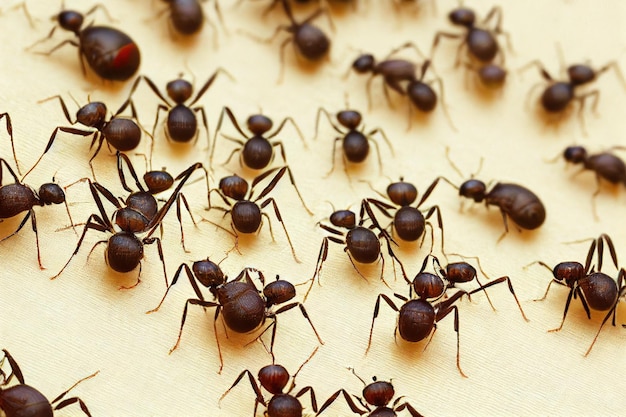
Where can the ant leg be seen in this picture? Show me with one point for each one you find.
(192, 281)
(321, 258)
(15, 369)
(332, 168)
(255, 387)
(73, 400)
(447, 309)
(569, 299)
(149, 241)
(498, 281)
(349, 401)
(10, 132)
(330, 121)
(182, 197)
(444, 106)
(226, 110)
(280, 219)
(65, 42)
(409, 407)
(506, 226)
(205, 123)
(184, 317)
(376, 310)
(385, 138)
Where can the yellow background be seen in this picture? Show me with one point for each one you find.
(62, 330)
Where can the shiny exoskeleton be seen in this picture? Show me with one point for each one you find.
(377, 394)
(22, 400)
(257, 151)
(274, 379)
(124, 249)
(244, 309)
(186, 15)
(120, 133)
(308, 40)
(596, 290)
(355, 142)
(110, 53)
(246, 214)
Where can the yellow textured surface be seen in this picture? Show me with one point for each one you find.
(62, 330)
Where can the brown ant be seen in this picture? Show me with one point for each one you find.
(110, 53)
(22, 400)
(245, 310)
(378, 394)
(124, 250)
(246, 214)
(187, 16)
(274, 379)
(121, 133)
(480, 43)
(257, 151)
(361, 244)
(596, 290)
(355, 142)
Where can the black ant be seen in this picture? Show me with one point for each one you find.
(274, 379)
(596, 290)
(246, 214)
(124, 250)
(378, 394)
(110, 53)
(355, 142)
(244, 308)
(257, 151)
(187, 17)
(22, 400)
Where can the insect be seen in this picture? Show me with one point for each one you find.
(186, 16)
(606, 165)
(18, 198)
(110, 53)
(245, 310)
(361, 244)
(596, 290)
(22, 400)
(246, 214)
(257, 151)
(377, 394)
(274, 379)
(355, 142)
(124, 250)
(181, 125)
(121, 133)
(408, 222)
(481, 44)
(558, 95)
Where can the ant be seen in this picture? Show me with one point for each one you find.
(558, 95)
(110, 53)
(18, 197)
(186, 16)
(408, 223)
(22, 400)
(515, 201)
(181, 125)
(605, 164)
(596, 290)
(480, 43)
(355, 142)
(378, 394)
(308, 40)
(257, 151)
(246, 214)
(124, 250)
(245, 310)
(274, 379)
(121, 133)
(362, 245)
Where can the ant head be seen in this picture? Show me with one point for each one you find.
(462, 17)
(259, 124)
(92, 114)
(427, 285)
(158, 181)
(474, 189)
(575, 154)
(179, 90)
(343, 218)
(364, 63)
(580, 74)
(378, 393)
(274, 378)
(402, 193)
(234, 187)
(569, 273)
(460, 272)
(51, 193)
(208, 273)
(350, 119)
(279, 291)
(70, 20)
(492, 76)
